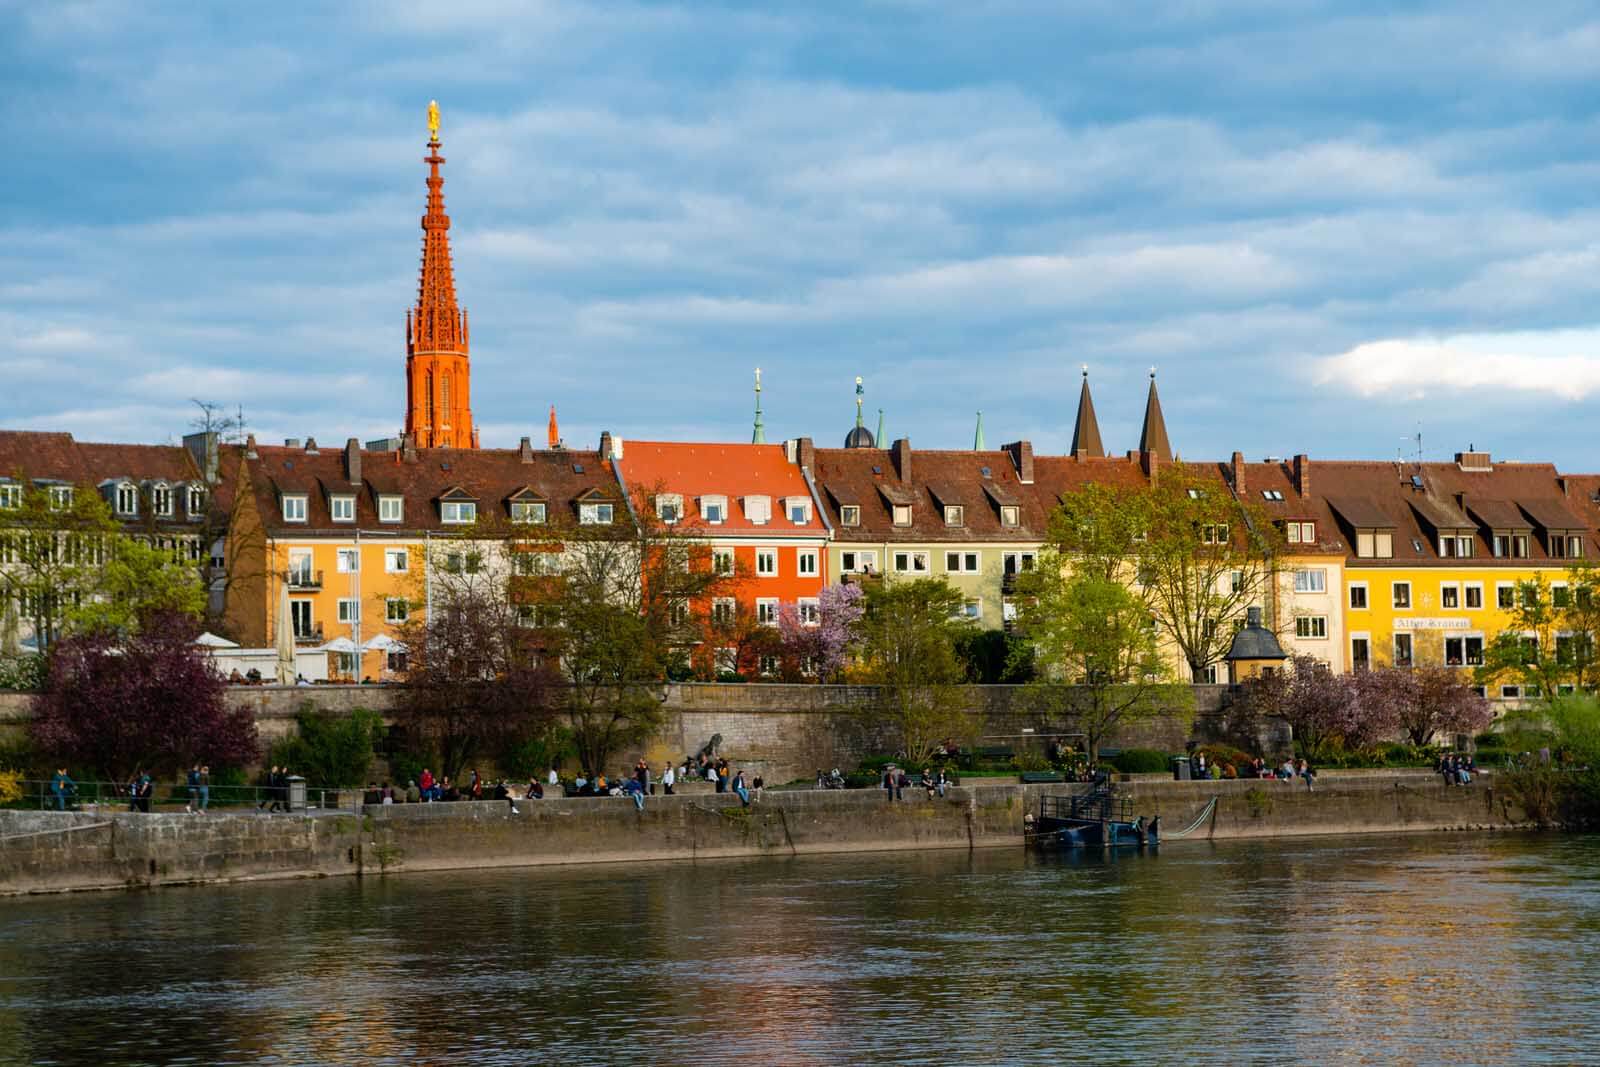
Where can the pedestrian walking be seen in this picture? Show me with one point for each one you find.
(669, 778)
(192, 780)
(62, 786)
(891, 783)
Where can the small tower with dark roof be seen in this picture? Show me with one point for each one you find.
(1153, 438)
(1086, 441)
(859, 436)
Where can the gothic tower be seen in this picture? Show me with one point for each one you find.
(438, 375)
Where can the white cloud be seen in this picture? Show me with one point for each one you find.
(1562, 363)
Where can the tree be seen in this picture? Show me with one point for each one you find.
(908, 648)
(1530, 651)
(1428, 701)
(1195, 556)
(331, 749)
(150, 700)
(54, 543)
(1093, 641)
(1321, 707)
(139, 582)
(823, 646)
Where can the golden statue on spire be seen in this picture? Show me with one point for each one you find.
(433, 120)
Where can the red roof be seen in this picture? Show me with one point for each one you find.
(737, 472)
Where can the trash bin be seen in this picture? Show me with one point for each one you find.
(297, 793)
(1180, 769)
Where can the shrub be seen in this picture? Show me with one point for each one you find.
(1030, 759)
(1224, 756)
(1142, 761)
(10, 787)
(330, 749)
(23, 672)
(531, 757)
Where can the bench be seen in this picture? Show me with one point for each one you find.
(1041, 777)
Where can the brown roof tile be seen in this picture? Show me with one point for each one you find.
(868, 478)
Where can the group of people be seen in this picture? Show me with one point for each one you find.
(199, 782)
(895, 782)
(274, 791)
(1456, 768)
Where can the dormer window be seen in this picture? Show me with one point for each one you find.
(391, 508)
(1455, 546)
(758, 510)
(342, 508)
(1566, 546)
(195, 507)
(10, 496)
(850, 515)
(669, 507)
(458, 512)
(955, 515)
(528, 511)
(294, 507)
(1300, 533)
(595, 514)
(127, 499)
(902, 514)
(1010, 515)
(798, 509)
(161, 500)
(714, 509)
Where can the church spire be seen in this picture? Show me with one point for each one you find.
(759, 435)
(1086, 432)
(880, 436)
(438, 401)
(1153, 438)
(977, 438)
(553, 431)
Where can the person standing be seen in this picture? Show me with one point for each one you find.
(668, 778)
(192, 780)
(555, 776)
(269, 788)
(889, 783)
(62, 786)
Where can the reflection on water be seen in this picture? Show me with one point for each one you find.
(1455, 949)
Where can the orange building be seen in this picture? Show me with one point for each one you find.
(438, 374)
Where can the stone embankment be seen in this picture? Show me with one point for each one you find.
(47, 851)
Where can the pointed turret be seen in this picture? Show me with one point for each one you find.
(1086, 441)
(553, 432)
(977, 437)
(879, 435)
(759, 435)
(438, 385)
(1153, 438)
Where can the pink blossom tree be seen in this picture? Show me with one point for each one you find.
(1422, 702)
(824, 644)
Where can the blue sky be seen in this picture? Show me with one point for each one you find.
(1324, 223)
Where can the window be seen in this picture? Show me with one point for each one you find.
(349, 610)
(767, 611)
(1375, 544)
(1463, 652)
(390, 508)
(194, 508)
(595, 514)
(799, 510)
(1311, 581)
(1358, 596)
(294, 508)
(911, 562)
(1301, 533)
(806, 563)
(1010, 515)
(1311, 626)
(347, 561)
(722, 560)
(1196, 494)
(722, 610)
(1474, 595)
(972, 610)
(758, 510)
(1449, 595)
(396, 609)
(1020, 562)
(1560, 596)
(300, 570)
(1213, 534)
(669, 507)
(458, 512)
(1519, 546)
(161, 500)
(300, 615)
(767, 664)
(529, 511)
(1402, 595)
(678, 612)
(714, 509)
(10, 496)
(1402, 650)
(397, 662)
(1510, 692)
(1455, 546)
(1271, 494)
(808, 612)
(1530, 594)
(902, 514)
(347, 663)
(342, 508)
(766, 562)
(858, 562)
(395, 560)
(850, 515)
(955, 515)
(1360, 653)
(1505, 596)
(961, 562)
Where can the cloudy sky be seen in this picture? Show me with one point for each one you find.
(1325, 224)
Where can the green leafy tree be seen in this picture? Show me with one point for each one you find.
(1095, 645)
(1527, 652)
(138, 581)
(53, 544)
(909, 638)
(330, 749)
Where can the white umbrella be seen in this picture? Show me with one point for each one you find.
(383, 643)
(338, 644)
(211, 640)
(285, 636)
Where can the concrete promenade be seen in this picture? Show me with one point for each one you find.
(52, 852)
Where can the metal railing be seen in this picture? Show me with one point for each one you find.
(168, 797)
(299, 578)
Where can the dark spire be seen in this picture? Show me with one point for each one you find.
(1086, 434)
(1153, 438)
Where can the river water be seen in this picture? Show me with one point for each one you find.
(1445, 949)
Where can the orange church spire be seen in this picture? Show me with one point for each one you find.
(438, 382)
(554, 429)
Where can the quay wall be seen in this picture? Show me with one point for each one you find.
(47, 851)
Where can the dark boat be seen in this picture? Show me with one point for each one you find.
(1099, 818)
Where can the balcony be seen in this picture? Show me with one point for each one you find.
(312, 636)
(303, 578)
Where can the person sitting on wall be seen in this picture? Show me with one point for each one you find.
(413, 793)
(235, 678)
(633, 789)
(253, 676)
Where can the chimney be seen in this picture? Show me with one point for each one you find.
(352, 460)
(1148, 462)
(250, 448)
(311, 447)
(203, 447)
(805, 454)
(525, 450)
(1238, 475)
(1252, 617)
(291, 442)
(1022, 459)
(1302, 475)
(610, 447)
(408, 448)
(901, 454)
(1471, 460)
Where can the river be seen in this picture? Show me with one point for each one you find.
(1440, 949)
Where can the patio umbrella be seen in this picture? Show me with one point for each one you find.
(285, 635)
(211, 640)
(338, 644)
